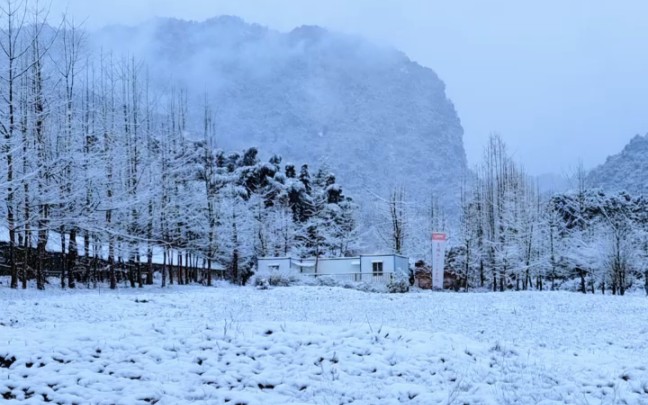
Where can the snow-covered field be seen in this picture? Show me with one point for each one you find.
(321, 345)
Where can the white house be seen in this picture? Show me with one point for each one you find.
(369, 268)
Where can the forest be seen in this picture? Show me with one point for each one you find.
(120, 178)
(512, 236)
(113, 171)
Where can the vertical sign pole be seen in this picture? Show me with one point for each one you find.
(438, 259)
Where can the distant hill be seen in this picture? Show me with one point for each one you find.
(625, 171)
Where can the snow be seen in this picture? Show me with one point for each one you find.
(321, 345)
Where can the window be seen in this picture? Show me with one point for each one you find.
(377, 268)
(273, 267)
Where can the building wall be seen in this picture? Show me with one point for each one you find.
(362, 266)
(310, 269)
(275, 265)
(368, 260)
(338, 266)
(402, 265)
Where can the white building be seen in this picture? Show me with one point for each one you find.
(368, 268)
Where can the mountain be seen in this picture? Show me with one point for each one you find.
(374, 117)
(625, 171)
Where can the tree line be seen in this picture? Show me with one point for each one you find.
(104, 165)
(508, 235)
(98, 162)
(512, 236)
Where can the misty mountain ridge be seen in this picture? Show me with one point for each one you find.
(551, 183)
(369, 113)
(625, 171)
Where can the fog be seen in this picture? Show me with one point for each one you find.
(559, 81)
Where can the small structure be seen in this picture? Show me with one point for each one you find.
(453, 280)
(367, 268)
(423, 275)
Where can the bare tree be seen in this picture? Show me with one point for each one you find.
(393, 230)
(13, 15)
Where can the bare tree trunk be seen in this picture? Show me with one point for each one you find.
(63, 261)
(180, 277)
(170, 267)
(397, 214)
(12, 54)
(131, 271)
(139, 272)
(26, 259)
(164, 266)
(467, 266)
(235, 252)
(209, 273)
(149, 264)
(26, 190)
(111, 256)
(73, 253)
(149, 247)
(40, 250)
(482, 275)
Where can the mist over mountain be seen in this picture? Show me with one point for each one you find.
(550, 183)
(369, 113)
(625, 171)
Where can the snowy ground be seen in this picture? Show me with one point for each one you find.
(321, 345)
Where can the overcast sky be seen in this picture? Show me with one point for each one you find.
(559, 80)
